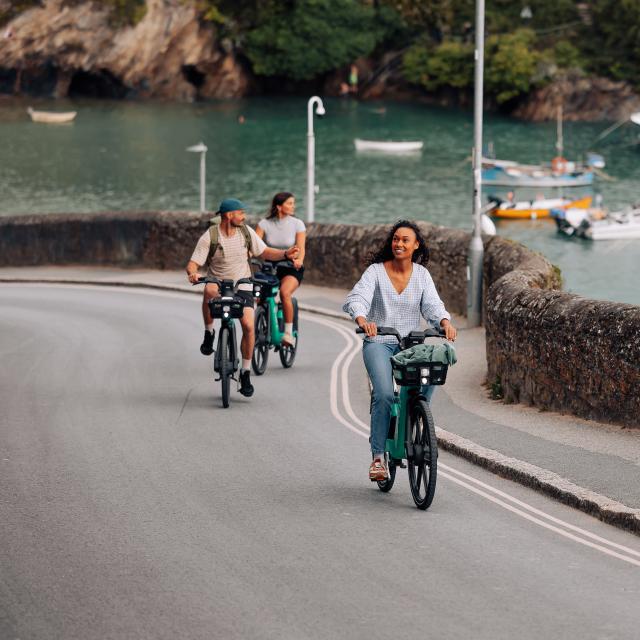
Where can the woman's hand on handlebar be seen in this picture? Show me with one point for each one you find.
(193, 277)
(370, 329)
(450, 331)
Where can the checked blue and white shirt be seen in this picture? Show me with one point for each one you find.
(375, 298)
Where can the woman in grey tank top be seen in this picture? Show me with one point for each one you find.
(282, 229)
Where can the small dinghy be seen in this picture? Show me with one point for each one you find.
(387, 146)
(599, 224)
(51, 117)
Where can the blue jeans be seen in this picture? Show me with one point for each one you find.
(376, 359)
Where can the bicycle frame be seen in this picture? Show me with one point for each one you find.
(396, 445)
(230, 324)
(274, 314)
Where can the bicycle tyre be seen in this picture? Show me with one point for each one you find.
(226, 364)
(422, 453)
(385, 485)
(260, 354)
(288, 354)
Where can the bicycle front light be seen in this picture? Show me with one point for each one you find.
(424, 376)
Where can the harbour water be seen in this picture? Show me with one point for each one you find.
(121, 156)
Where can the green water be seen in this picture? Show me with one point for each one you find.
(131, 156)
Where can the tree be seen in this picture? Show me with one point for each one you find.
(613, 39)
(304, 39)
(511, 64)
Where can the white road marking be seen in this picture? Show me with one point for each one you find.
(339, 371)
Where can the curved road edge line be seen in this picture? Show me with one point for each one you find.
(547, 482)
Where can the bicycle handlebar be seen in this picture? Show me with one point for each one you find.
(413, 336)
(219, 282)
(271, 265)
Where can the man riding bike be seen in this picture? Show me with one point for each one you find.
(226, 248)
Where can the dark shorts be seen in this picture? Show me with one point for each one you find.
(247, 298)
(298, 274)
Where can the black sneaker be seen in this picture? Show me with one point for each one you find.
(246, 388)
(206, 348)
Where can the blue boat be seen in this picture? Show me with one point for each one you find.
(560, 173)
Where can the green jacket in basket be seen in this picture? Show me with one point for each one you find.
(444, 353)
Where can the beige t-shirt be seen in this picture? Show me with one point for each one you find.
(232, 263)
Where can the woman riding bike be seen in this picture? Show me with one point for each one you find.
(394, 291)
(281, 229)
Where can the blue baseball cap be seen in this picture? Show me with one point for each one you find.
(230, 204)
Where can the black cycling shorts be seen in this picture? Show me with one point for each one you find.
(298, 274)
(247, 298)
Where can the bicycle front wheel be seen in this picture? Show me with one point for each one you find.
(261, 348)
(226, 363)
(422, 453)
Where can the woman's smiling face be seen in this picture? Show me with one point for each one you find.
(404, 243)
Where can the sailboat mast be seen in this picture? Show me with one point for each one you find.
(559, 140)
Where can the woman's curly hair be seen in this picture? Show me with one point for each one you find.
(385, 253)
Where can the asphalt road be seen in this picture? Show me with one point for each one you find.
(133, 506)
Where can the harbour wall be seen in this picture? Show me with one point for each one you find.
(544, 347)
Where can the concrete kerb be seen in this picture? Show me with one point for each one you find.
(529, 475)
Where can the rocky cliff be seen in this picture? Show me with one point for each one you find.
(60, 50)
(583, 98)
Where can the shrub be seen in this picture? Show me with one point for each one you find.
(449, 65)
(511, 64)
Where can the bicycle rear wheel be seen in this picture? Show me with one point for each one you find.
(422, 453)
(226, 363)
(288, 354)
(260, 354)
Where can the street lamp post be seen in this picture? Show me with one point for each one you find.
(202, 150)
(311, 155)
(476, 249)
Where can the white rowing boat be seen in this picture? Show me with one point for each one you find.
(51, 117)
(388, 146)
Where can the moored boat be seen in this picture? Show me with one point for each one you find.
(388, 146)
(560, 172)
(599, 224)
(51, 117)
(533, 209)
(512, 174)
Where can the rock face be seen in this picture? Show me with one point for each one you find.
(583, 98)
(544, 347)
(60, 50)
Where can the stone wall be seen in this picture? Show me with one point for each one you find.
(545, 348)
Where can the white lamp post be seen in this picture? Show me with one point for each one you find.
(476, 248)
(311, 153)
(202, 150)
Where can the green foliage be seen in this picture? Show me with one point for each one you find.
(511, 64)
(566, 55)
(125, 12)
(495, 389)
(450, 64)
(303, 39)
(613, 42)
